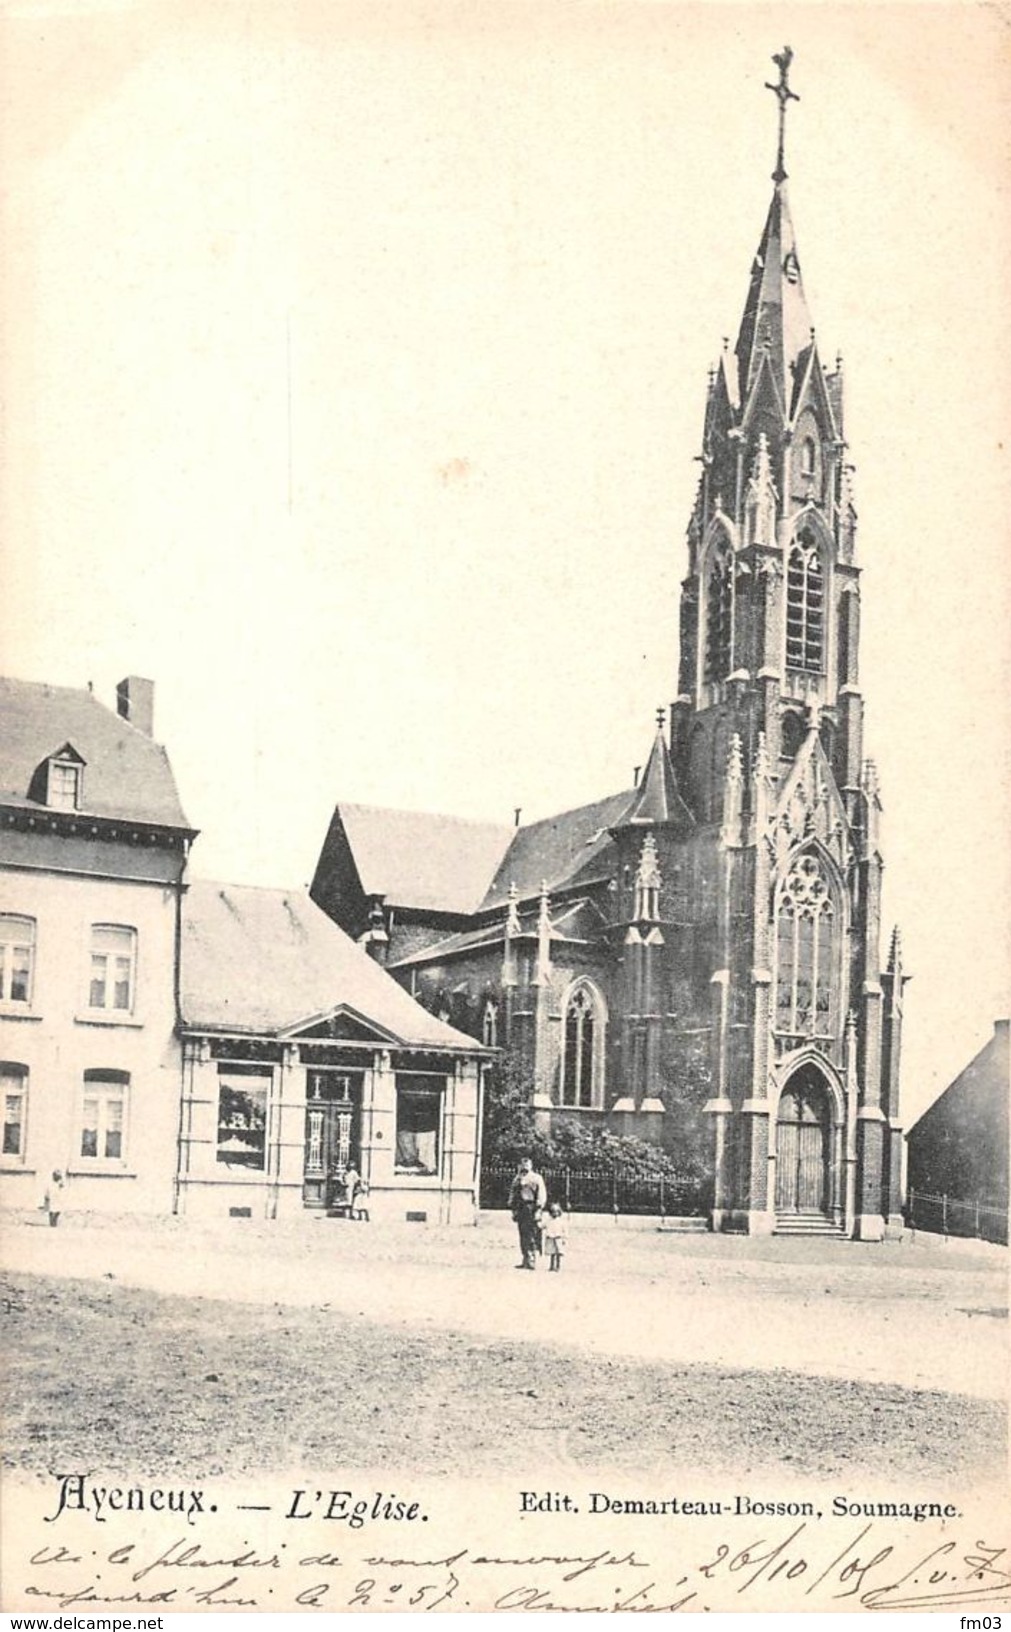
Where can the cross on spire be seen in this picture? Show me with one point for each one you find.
(661, 716)
(783, 95)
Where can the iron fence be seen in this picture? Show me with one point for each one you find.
(618, 1190)
(952, 1215)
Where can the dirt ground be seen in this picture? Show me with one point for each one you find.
(198, 1351)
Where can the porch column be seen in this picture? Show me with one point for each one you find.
(195, 1090)
(379, 1122)
(459, 1164)
(287, 1155)
(198, 1133)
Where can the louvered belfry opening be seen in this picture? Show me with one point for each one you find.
(805, 607)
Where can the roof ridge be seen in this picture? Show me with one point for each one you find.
(573, 810)
(274, 889)
(432, 815)
(51, 689)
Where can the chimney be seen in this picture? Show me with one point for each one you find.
(135, 702)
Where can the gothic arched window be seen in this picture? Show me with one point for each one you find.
(808, 457)
(805, 607)
(489, 1025)
(719, 613)
(582, 1048)
(806, 930)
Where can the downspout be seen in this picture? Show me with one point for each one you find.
(478, 1140)
(178, 890)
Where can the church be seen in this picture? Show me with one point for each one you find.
(697, 959)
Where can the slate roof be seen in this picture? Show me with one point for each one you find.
(262, 960)
(415, 859)
(657, 799)
(776, 317)
(568, 925)
(446, 864)
(558, 850)
(463, 940)
(126, 774)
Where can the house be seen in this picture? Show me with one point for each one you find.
(959, 1147)
(94, 851)
(697, 959)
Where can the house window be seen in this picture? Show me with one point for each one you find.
(113, 963)
(805, 952)
(103, 1115)
(419, 1124)
(489, 1025)
(64, 787)
(242, 1118)
(17, 949)
(719, 603)
(805, 607)
(582, 1049)
(14, 1087)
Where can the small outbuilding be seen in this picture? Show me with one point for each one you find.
(959, 1147)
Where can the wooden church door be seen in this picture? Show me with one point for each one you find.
(802, 1139)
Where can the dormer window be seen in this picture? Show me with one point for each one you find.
(64, 785)
(58, 781)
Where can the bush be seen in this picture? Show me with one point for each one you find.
(510, 1133)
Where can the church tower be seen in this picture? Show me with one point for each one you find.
(770, 607)
(766, 741)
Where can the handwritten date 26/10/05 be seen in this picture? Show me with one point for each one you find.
(797, 1568)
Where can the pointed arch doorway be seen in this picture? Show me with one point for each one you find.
(804, 1147)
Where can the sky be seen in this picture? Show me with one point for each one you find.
(353, 366)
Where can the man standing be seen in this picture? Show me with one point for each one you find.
(527, 1197)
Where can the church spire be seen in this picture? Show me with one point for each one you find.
(776, 321)
(657, 798)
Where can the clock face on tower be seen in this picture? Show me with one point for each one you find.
(791, 267)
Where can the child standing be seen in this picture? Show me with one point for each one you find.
(555, 1237)
(53, 1202)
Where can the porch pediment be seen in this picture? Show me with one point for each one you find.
(341, 1024)
(69, 754)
